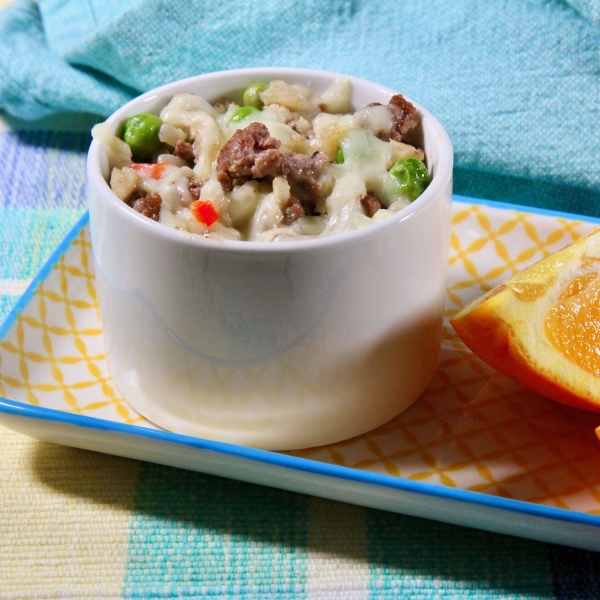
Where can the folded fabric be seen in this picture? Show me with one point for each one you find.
(514, 81)
(590, 9)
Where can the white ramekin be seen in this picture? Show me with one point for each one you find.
(273, 345)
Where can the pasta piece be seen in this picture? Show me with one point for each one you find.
(293, 97)
(337, 97)
(123, 182)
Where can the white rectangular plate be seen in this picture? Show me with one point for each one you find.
(476, 449)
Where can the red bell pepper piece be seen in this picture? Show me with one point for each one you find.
(150, 170)
(204, 211)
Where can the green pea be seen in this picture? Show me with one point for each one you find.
(251, 95)
(141, 133)
(339, 156)
(241, 113)
(410, 177)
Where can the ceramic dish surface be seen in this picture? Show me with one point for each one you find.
(274, 345)
(476, 449)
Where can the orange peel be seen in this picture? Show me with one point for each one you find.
(542, 326)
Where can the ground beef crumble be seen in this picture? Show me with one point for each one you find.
(195, 187)
(292, 211)
(149, 205)
(370, 204)
(252, 153)
(238, 156)
(405, 117)
(267, 164)
(302, 173)
(184, 150)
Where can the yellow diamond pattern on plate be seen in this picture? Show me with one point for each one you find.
(54, 355)
(472, 428)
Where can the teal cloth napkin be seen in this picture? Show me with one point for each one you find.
(516, 82)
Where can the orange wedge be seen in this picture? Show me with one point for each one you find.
(542, 326)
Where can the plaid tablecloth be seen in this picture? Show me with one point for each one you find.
(76, 524)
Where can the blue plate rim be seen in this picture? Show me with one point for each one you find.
(21, 409)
